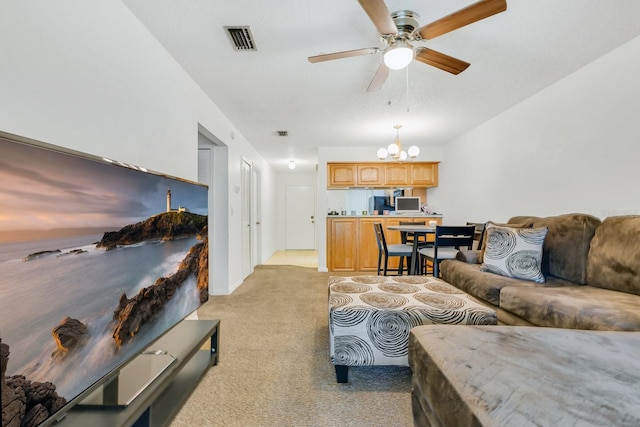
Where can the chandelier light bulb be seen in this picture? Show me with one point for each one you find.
(413, 151)
(398, 56)
(292, 164)
(395, 149)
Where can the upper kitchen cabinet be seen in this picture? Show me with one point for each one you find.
(424, 174)
(382, 175)
(341, 175)
(370, 175)
(396, 174)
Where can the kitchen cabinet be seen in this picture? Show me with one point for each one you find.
(423, 174)
(396, 174)
(382, 175)
(342, 248)
(367, 245)
(370, 175)
(352, 245)
(341, 175)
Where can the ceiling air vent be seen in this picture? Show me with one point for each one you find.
(241, 38)
(283, 133)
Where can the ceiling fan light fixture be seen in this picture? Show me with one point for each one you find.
(398, 55)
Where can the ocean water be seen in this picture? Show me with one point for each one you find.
(36, 295)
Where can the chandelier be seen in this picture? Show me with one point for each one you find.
(395, 151)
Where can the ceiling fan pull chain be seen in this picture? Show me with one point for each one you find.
(407, 85)
(389, 88)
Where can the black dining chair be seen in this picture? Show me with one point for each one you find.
(479, 233)
(448, 240)
(401, 250)
(407, 238)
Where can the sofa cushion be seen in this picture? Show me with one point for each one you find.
(614, 258)
(527, 223)
(523, 376)
(566, 246)
(471, 256)
(485, 286)
(514, 252)
(573, 307)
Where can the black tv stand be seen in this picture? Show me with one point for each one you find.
(159, 401)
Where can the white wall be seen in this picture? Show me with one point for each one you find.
(573, 147)
(89, 76)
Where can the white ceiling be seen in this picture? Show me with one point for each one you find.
(513, 55)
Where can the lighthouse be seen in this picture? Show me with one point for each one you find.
(168, 200)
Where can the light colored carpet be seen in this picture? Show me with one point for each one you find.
(274, 367)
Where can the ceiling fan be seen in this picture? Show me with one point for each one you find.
(399, 28)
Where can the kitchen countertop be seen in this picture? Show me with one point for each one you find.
(388, 216)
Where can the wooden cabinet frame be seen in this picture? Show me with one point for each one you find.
(382, 175)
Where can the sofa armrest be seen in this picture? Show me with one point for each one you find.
(469, 256)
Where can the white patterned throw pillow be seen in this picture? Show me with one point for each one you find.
(514, 252)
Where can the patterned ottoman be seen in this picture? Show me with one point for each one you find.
(370, 317)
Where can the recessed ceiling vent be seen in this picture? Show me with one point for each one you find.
(283, 133)
(241, 38)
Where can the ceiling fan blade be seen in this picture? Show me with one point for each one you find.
(468, 15)
(440, 60)
(379, 15)
(379, 78)
(344, 54)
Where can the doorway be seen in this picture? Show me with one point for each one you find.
(300, 207)
(213, 170)
(256, 214)
(246, 215)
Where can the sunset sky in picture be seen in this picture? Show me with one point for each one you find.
(42, 189)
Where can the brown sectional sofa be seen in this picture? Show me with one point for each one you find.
(592, 272)
(580, 368)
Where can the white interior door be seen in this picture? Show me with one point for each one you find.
(300, 208)
(246, 262)
(257, 216)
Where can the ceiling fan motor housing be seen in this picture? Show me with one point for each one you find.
(406, 21)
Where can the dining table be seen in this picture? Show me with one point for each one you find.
(417, 231)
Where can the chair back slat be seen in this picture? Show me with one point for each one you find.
(479, 234)
(382, 243)
(454, 236)
(403, 234)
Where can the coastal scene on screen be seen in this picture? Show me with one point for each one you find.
(97, 261)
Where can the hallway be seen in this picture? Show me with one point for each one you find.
(302, 258)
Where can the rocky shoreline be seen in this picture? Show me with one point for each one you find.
(164, 226)
(26, 403)
(132, 313)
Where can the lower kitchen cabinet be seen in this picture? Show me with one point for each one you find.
(351, 241)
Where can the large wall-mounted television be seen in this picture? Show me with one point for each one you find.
(98, 259)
